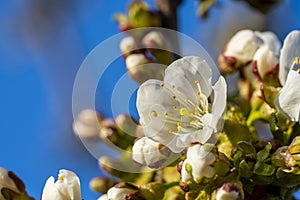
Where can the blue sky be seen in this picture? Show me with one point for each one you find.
(40, 54)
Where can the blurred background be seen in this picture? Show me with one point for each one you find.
(43, 43)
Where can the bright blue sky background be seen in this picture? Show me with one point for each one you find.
(41, 49)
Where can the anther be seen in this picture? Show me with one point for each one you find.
(297, 60)
(161, 85)
(154, 114)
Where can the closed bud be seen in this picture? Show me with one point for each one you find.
(129, 45)
(154, 40)
(126, 124)
(101, 184)
(292, 157)
(198, 164)
(141, 68)
(140, 15)
(265, 62)
(123, 191)
(86, 125)
(149, 153)
(239, 51)
(278, 158)
(229, 191)
(108, 131)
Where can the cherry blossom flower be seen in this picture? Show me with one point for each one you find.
(66, 187)
(183, 108)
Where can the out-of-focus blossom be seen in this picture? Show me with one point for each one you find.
(229, 191)
(128, 45)
(121, 191)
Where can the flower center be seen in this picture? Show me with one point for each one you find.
(190, 113)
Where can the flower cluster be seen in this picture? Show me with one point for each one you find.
(182, 137)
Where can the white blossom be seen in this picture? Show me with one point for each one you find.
(67, 187)
(264, 61)
(148, 152)
(6, 182)
(288, 99)
(197, 164)
(185, 107)
(119, 193)
(290, 50)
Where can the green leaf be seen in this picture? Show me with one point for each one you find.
(263, 169)
(244, 169)
(237, 157)
(264, 153)
(221, 168)
(247, 149)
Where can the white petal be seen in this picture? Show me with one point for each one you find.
(290, 49)
(118, 193)
(271, 40)
(243, 45)
(51, 192)
(185, 177)
(103, 197)
(288, 100)
(72, 184)
(182, 74)
(219, 100)
(265, 59)
(146, 152)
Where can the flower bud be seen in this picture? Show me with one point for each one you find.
(278, 158)
(140, 15)
(264, 62)
(122, 191)
(198, 164)
(292, 156)
(126, 124)
(150, 153)
(101, 184)
(129, 45)
(86, 125)
(108, 131)
(240, 50)
(229, 191)
(154, 40)
(141, 69)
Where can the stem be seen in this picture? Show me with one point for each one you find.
(253, 116)
(168, 11)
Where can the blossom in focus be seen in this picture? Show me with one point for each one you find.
(288, 99)
(229, 191)
(290, 50)
(150, 153)
(183, 108)
(197, 164)
(66, 187)
(6, 182)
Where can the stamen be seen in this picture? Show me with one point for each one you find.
(196, 81)
(298, 70)
(171, 131)
(173, 86)
(60, 178)
(174, 107)
(165, 113)
(174, 97)
(179, 126)
(161, 85)
(198, 92)
(154, 114)
(297, 60)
